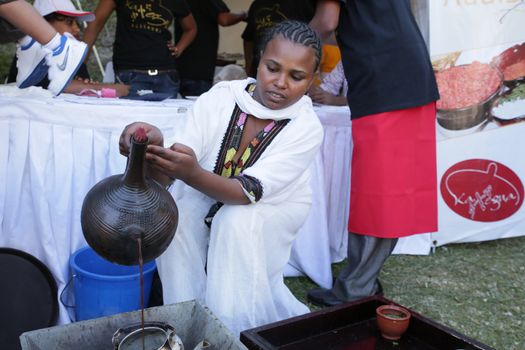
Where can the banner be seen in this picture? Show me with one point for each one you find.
(477, 48)
(460, 25)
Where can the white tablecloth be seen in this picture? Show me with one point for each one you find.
(53, 150)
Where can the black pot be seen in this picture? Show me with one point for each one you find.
(123, 210)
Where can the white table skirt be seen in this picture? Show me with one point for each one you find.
(53, 150)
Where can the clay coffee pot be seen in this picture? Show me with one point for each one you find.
(122, 211)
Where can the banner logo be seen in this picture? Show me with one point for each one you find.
(482, 190)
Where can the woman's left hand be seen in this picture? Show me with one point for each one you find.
(177, 162)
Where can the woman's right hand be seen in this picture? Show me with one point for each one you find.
(153, 133)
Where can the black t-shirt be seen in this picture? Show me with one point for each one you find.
(13, 71)
(263, 14)
(385, 59)
(199, 58)
(143, 33)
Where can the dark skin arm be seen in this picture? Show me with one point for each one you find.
(324, 97)
(189, 31)
(326, 18)
(76, 86)
(179, 162)
(226, 19)
(104, 9)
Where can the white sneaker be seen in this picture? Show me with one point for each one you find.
(31, 64)
(64, 62)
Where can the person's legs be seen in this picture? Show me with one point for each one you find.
(24, 17)
(169, 83)
(136, 80)
(64, 61)
(366, 256)
(62, 54)
(31, 62)
(193, 87)
(249, 247)
(160, 83)
(359, 277)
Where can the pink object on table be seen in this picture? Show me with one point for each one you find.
(104, 92)
(108, 92)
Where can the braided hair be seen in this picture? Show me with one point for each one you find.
(296, 32)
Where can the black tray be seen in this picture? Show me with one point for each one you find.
(353, 326)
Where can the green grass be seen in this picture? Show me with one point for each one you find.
(7, 53)
(477, 289)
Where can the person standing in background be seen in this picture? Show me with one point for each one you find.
(392, 95)
(263, 14)
(141, 54)
(197, 65)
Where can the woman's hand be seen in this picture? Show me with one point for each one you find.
(177, 162)
(152, 132)
(321, 96)
(318, 95)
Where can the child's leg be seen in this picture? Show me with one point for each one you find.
(250, 246)
(24, 16)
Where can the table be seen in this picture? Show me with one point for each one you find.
(53, 150)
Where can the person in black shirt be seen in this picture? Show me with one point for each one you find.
(263, 14)
(141, 55)
(197, 65)
(392, 98)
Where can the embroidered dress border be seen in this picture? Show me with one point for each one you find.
(226, 140)
(268, 138)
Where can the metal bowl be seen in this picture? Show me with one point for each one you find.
(469, 116)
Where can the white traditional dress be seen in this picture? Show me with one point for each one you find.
(236, 266)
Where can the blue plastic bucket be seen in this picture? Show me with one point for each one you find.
(102, 288)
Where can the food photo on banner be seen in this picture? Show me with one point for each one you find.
(478, 54)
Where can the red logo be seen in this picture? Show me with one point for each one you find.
(482, 190)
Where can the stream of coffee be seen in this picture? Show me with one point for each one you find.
(141, 268)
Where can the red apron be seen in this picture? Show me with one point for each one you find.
(394, 177)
